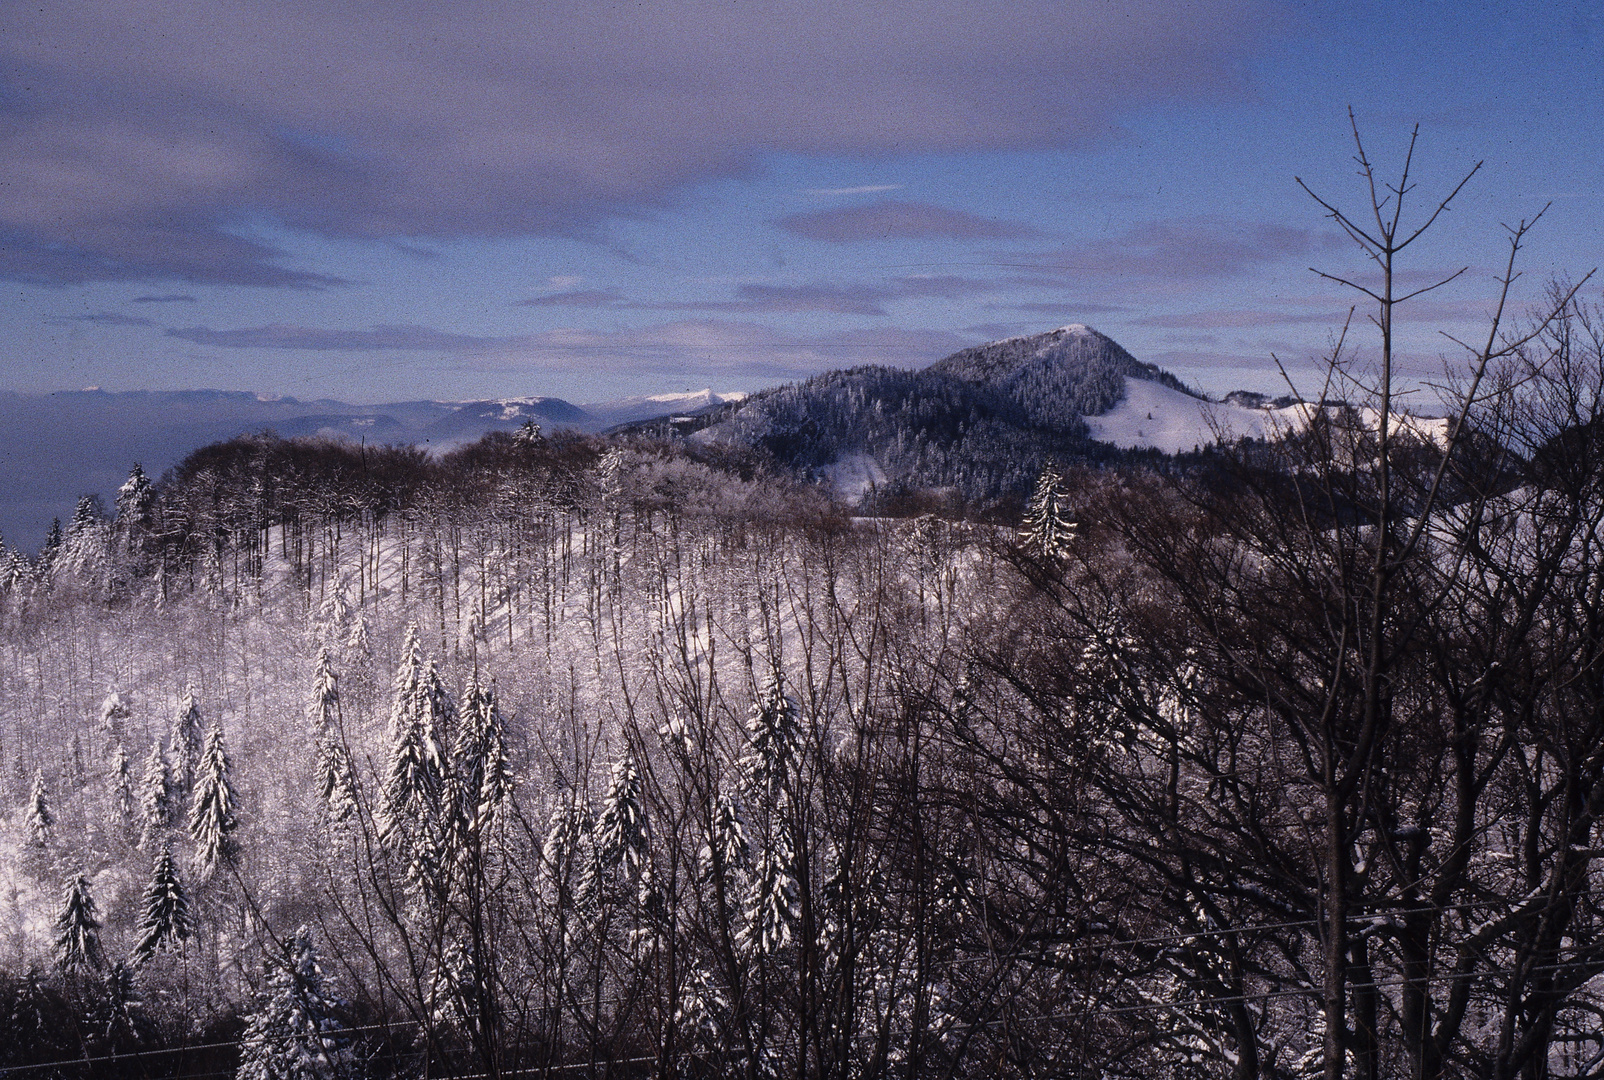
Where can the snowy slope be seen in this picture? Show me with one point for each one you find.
(1153, 416)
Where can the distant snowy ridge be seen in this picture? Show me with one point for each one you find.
(1152, 416)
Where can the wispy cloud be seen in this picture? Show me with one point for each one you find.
(896, 219)
(169, 298)
(318, 339)
(761, 297)
(866, 189)
(106, 318)
(1182, 249)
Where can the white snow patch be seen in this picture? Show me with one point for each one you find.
(852, 476)
(1151, 415)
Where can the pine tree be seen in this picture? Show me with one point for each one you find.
(156, 797)
(404, 774)
(728, 850)
(212, 820)
(621, 835)
(115, 1019)
(122, 787)
(164, 921)
(294, 1034)
(77, 929)
(773, 741)
(771, 911)
(336, 778)
(185, 741)
(482, 775)
(1049, 525)
(114, 713)
(38, 816)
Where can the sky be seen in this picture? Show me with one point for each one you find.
(382, 200)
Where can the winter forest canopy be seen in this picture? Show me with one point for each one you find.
(575, 755)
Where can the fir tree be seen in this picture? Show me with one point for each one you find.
(114, 713)
(77, 944)
(156, 797)
(479, 761)
(185, 741)
(771, 910)
(773, 741)
(164, 921)
(621, 826)
(38, 816)
(122, 787)
(294, 1034)
(331, 766)
(1049, 526)
(212, 820)
(728, 850)
(115, 1019)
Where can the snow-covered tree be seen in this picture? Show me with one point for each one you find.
(121, 782)
(420, 714)
(771, 909)
(157, 800)
(164, 920)
(294, 1034)
(621, 826)
(1049, 524)
(212, 820)
(773, 741)
(114, 714)
(115, 1019)
(77, 943)
(331, 766)
(728, 849)
(483, 777)
(134, 518)
(185, 740)
(38, 816)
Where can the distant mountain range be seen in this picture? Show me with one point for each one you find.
(56, 447)
(980, 423)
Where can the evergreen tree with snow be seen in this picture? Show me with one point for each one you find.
(620, 835)
(38, 816)
(294, 1034)
(185, 742)
(482, 775)
(414, 816)
(116, 1022)
(135, 511)
(164, 919)
(123, 802)
(77, 943)
(331, 766)
(85, 547)
(1049, 524)
(771, 909)
(157, 800)
(728, 849)
(773, 741)
(114, 714)
(212, 820)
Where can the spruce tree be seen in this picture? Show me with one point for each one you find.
(164, 920)
(38, 816)
(773, 741)
(123, 802)
(1049, 525)
(482, 774)
(77, 944)
(185, 742)
(156, 796)
(293, 1034)
(212, 821)
(115, 1019)
(331, 766)
(771, 910)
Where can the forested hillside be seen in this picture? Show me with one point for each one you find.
(630, 757)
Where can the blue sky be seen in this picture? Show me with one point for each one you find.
(404, 200)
